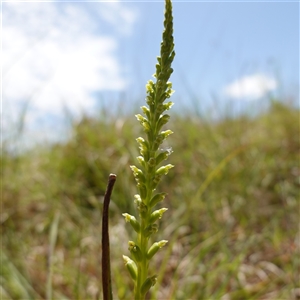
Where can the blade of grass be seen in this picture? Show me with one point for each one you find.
(13, 282)
(52, 240)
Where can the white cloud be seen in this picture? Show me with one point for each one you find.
(56, 55)
(125, 16)
(250, 87)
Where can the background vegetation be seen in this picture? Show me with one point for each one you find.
(232, 223)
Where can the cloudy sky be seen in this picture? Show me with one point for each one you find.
(70, 57)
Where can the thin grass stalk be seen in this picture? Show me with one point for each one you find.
(52, 243)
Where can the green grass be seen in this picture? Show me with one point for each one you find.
(232, 222)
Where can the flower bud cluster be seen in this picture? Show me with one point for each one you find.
(150, 172)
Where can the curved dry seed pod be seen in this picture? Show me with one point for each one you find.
(106, 269)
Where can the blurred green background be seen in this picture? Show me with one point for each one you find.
(232, 219)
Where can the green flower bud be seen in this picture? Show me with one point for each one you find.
(168, 105)
(141, 119)
(143, 209)
(149, 282)
(150, 86)
(144, 146)
(157, 198)
(163, 155)
(169, 89)
(159, 85)
(149, 99)
(142, 142)
(151, 165)
(160, 138)
(131, 267)
(141, 206)
(151, 162)
(164, 170)
(163, 119)
(158, 68)
(147, 127)
(164, 96)
(169, 72)
(155, 181)
(138, 174)
(135, 251)
(153, 228)
(159, 109)
(146, 111)
(133, 222)
(138, 199)
(141, 161)
(136, 171)
(144, 122)
(142, 190)
(154, 248)
(157, 214)
(166, 133)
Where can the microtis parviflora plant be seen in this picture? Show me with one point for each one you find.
(150, 171)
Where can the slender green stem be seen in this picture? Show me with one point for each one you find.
(142, 267)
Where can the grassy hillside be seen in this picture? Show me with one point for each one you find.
(233, 200)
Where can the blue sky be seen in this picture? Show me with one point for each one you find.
(80, 56)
